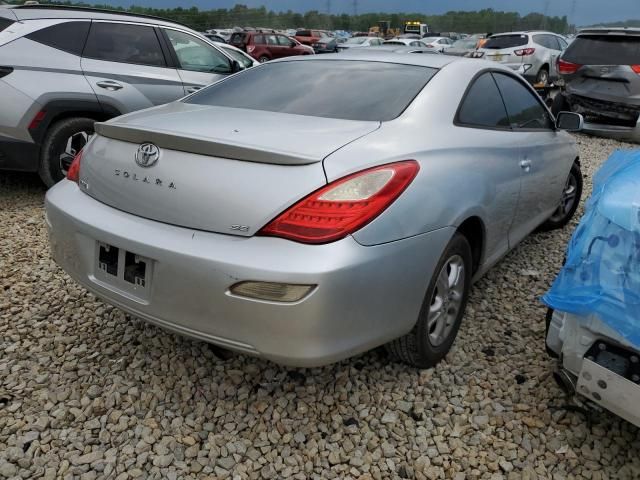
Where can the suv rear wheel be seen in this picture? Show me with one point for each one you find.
(543, 76)
(263, 59)
(63, 141)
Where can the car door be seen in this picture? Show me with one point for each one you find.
(492, 161)
(199, 63)
(125, 65)
(544, 156)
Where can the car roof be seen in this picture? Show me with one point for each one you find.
(37, 12)
(386, 56)
(612, 30)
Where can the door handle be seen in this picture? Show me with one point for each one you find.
(525, 165)
(110, 85)
(193, 89)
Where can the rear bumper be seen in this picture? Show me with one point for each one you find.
(629, 134)
(18, 155)
(365, 296)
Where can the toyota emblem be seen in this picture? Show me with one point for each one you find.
(147, 155)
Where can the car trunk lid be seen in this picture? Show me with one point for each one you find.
(231, 175)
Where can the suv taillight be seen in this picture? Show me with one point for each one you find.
(344, 206)
(636, 68)
(525, 52)
(73, 173)
(250, 48)
(567, 68)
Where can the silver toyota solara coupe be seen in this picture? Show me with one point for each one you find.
(310, 209)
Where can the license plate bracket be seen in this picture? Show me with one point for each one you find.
(123, 270)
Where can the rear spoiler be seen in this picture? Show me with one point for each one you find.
(202, 145)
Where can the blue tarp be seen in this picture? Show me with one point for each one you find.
(602, 271)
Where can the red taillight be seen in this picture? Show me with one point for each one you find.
(343, 206)
(525, 52)
(567, 68)
(250, 48)
(636, 68)
(73, 173)
(35, 123)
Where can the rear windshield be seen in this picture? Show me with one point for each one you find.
(4, 23)
(506, 41)
(604, 50)
(343, 89)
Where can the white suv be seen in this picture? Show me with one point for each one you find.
(532, 54)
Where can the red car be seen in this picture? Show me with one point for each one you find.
(309, 37)
(267, 46)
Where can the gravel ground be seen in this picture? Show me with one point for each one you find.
(86, 392)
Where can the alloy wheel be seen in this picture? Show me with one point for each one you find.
(447, 300)
(568, 199)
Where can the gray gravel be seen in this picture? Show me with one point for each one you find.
(86, 392)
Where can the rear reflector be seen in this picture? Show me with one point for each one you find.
(636, 68)
(250, 48)
(271, 291)
(344, 206)
(525, 52)
(567, 68)
(73, 173)
(35, 123)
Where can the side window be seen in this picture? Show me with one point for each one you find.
(524, 108)
(563, 43)
(68, 36)
(258, 40)
(539, 39)
(552, 42)
(196, 55)
(482, 105)
(272, 40)
(284, 41)
(121, 42)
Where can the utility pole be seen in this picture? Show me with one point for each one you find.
(546, 12)
(328, 7)
(572, 14)
(355, 7)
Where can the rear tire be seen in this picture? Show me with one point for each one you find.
(570, 200)
(263, 59)
(62, 142)
(543, 76)
(442, 309)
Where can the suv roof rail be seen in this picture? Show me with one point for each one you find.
(94, 10)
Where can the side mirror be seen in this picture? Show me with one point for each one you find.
(569, 121)
(235, 66)
(293, 44)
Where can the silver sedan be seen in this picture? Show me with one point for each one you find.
(272, 215)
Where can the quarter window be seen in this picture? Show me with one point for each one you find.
(196, 55)
(524, 109)
(483, 105)
(120, 42)
(68, 36)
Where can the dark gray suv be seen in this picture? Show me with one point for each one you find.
(601, 72)
(62, 69)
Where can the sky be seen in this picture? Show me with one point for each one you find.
(586, 12)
